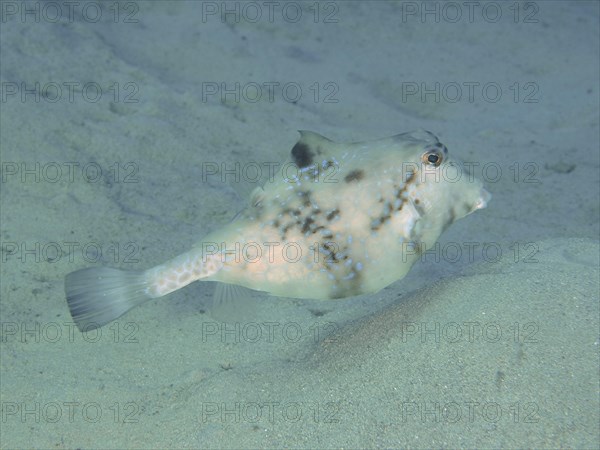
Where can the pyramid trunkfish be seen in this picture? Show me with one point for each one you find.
(349, 220)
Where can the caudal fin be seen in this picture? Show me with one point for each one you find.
(99, 295)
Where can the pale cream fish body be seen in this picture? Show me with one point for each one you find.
(342, 220)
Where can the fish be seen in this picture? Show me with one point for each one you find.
(338, 220)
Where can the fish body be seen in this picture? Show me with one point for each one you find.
(339, 220)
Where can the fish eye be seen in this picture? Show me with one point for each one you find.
(433, 157)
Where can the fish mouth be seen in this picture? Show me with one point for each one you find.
(484, 198)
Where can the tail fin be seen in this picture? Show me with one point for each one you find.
(99, 295)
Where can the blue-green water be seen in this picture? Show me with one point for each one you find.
(113, 117)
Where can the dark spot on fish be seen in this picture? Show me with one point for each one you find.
(331, 254)
(332, 214)
(276, 223)
(388, 206)
(355, 175)
(419, 207)
(285, 230)
(302, 155)
(328, 163)
(345, 278)
(307, 223)
(411, 176)
(383, 217)
(306, 196)
(417, 247)
(378, 223)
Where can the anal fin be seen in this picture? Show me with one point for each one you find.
(233, 303)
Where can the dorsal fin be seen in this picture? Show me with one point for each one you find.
(310, 147)
(419, 135)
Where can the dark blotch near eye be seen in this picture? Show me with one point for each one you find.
(302, 155)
